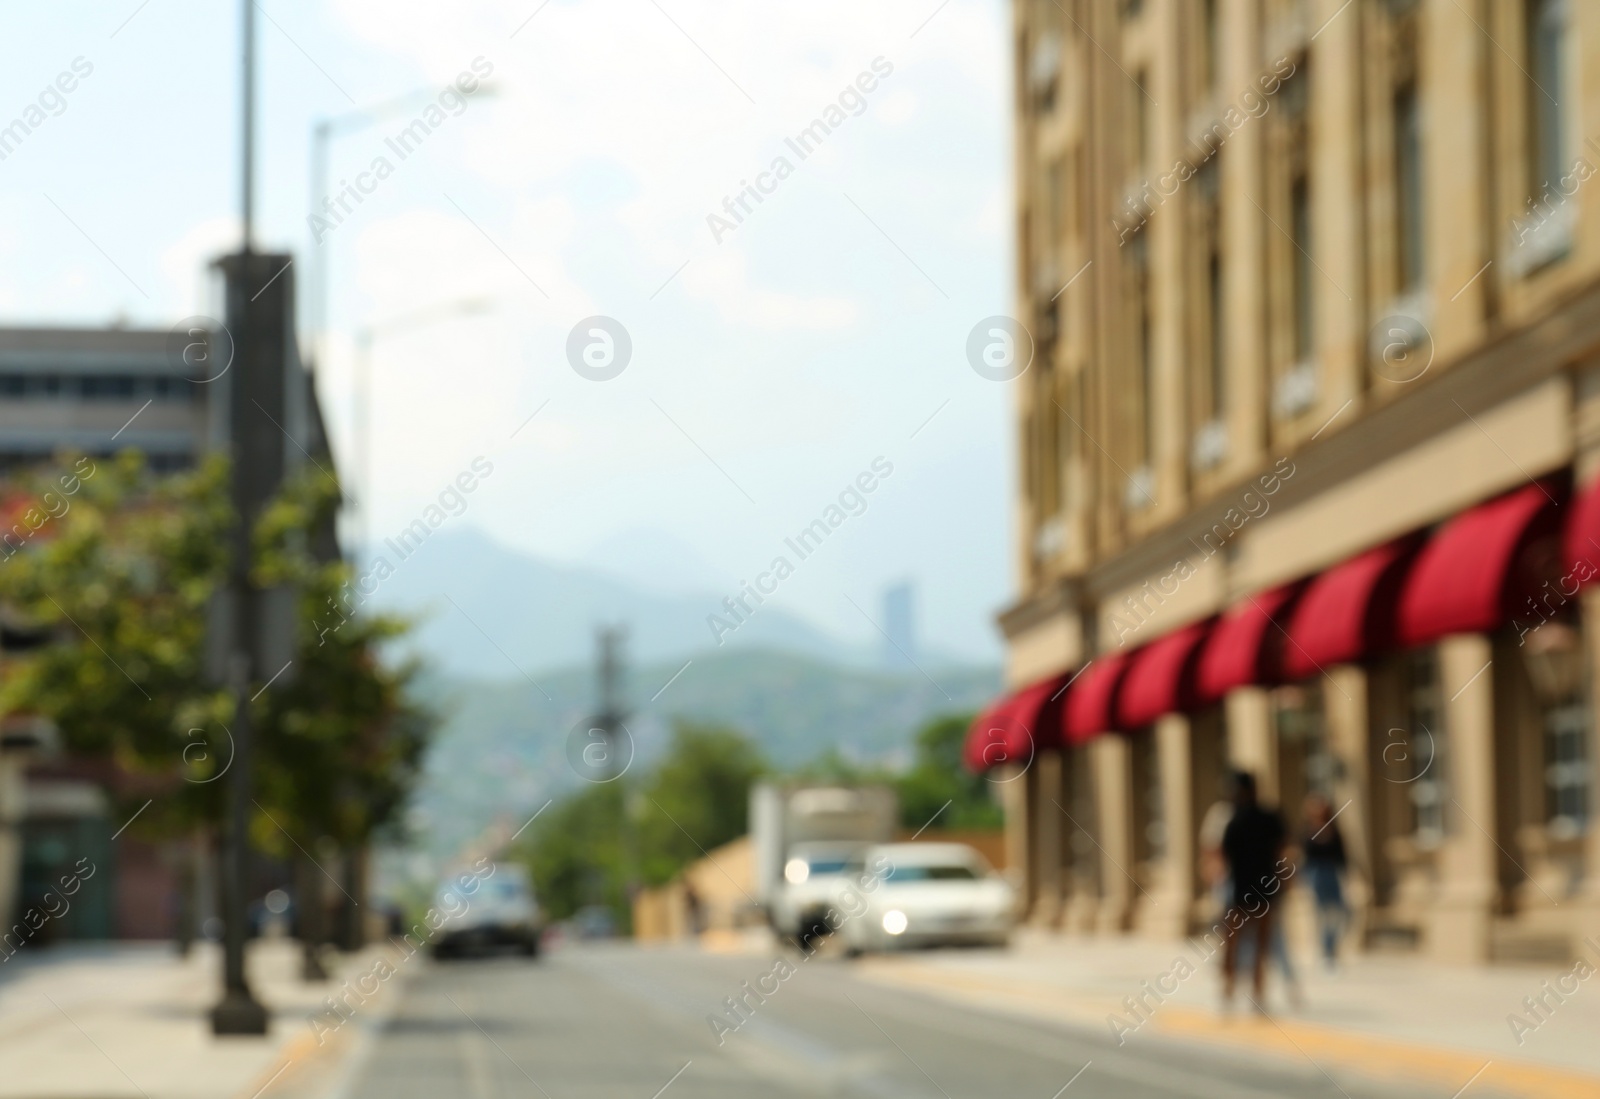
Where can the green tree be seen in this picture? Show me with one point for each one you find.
(341, 743)
(576, 852)
(937, 776)
(119, 569)
(118, 575)
(697, 799)
(587, 847)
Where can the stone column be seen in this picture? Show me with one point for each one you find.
(1014, 798)
(1048, 820)
(1252, 741)
(1460, 920)
(1112, 759)
(1166, 913)
(1453, 55)
(1344, 708)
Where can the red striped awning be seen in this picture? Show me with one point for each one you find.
(1246, 647)
(1017, 726)
(1581, 539)
(1089, 704)
(986, 738)
(1477, 570)
(1160, 677)
(1347, 612)
(1035, 717)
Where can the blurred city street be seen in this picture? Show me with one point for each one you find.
(620, 1021)
(1041, 549)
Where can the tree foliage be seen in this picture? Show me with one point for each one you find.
(937, 776)
(588, 847)
(119, 576)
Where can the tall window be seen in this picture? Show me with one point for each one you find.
(1408, 188)
(1219, 373)
(1141, 123)
(1210, 252)
(1210, 44)
(1295, 93)
(1143, 353)
(1546, 34)
(1300, 233)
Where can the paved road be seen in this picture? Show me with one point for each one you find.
(623, 1023)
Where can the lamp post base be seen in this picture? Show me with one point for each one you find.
(238, 1013)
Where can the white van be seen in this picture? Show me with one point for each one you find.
(491, 912)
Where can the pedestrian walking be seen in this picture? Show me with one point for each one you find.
(1325, 863)
(1252, 846)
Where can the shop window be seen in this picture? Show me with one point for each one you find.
(1426, 730)
(1567, 768)
(1307, 765)
(1553, 654)
(1150, 826)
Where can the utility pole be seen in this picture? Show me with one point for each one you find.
(611, 720)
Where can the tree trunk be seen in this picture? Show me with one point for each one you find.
(311, 917)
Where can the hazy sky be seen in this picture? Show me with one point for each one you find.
(772, 361)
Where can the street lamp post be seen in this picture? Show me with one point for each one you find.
(239, 1012)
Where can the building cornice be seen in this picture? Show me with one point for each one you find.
(1060, 596)
(1504, 367)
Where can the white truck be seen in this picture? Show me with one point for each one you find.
(803, 836)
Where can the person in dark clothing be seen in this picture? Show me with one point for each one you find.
(1325, 862)
(1252, 846)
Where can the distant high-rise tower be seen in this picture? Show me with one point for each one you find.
(898, 622)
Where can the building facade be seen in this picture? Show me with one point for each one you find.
(96, 391)
(1308, 454)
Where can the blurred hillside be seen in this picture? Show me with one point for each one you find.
(503, 747)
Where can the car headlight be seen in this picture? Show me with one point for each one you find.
(894, 921)
(796, 871)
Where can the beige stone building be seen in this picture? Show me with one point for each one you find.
(1309, 448)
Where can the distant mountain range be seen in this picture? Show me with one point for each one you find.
(488, 611)
(509, 642)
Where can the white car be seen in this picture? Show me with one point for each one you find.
(926, 894)
(485, 912)
(812, 875)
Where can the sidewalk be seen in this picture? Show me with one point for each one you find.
(131, 1021)
(1389, 1016)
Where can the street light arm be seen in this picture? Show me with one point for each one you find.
(362, 117)
(322, 134)
(361, 404)
(422, 318)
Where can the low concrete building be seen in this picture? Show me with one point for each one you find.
(1309, 448)
(99, 390)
